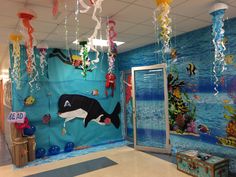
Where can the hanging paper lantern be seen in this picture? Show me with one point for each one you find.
(163, 20)
(16, 75)
(217, 11)
(42, 55)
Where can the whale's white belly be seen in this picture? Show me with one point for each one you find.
(80, 113)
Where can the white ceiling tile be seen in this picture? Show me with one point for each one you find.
(10, 8)
(40, 36)
(145, 40)
(191, 24)
(122, 26)
(85, 20)
(229, 13)
(134, 14)
(192, 8)
(8, 22)
(140, 30)
(43, 26)
(126, 37)
(60, 30)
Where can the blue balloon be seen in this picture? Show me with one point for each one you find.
(40, 153)
(29, 131)
(54, 150)
(69, 147)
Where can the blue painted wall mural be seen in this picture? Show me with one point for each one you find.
(60, 79)
(206, 122)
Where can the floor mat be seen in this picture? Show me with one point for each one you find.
(77, 169)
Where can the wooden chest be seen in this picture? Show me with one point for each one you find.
(194, 165)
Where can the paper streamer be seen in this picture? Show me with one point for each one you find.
(218, 37)
(16, 75)
(112, 48)
(85, 59)
(97, 6)
(163, 20)
(42, 57)
(85, 6)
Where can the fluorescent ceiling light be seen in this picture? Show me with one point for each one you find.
(101, 42)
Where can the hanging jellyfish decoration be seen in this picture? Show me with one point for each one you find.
(112, 53)
(16, 75)
(163, 24)
(42, 47)
(217, 11)
(97, 6)
(26, 16)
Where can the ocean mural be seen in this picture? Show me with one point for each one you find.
(198, 119)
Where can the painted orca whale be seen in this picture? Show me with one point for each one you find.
(73, 106)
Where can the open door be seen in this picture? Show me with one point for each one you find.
(150, 108)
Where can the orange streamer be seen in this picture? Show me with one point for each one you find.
(159, 2)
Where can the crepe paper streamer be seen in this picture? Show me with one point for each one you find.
(97, 6)
(85, 6)
(42, 56)
(33, 75)
(16, 75)
(110, 83)
(55, 7)
(112, 48)
(217, 11)
(27, 15)
(85, 58)
(164, 21)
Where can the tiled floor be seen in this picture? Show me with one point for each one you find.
(129, 163)
(5, 157)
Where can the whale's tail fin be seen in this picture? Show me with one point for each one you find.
(115, 116)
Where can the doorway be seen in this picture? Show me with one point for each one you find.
(150, 108)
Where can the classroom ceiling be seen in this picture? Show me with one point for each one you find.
(134, 20)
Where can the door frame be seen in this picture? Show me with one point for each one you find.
(124, 104)
(167, 148)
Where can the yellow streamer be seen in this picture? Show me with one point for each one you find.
(16, 38)
(159, 2)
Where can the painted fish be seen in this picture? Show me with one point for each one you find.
(222, 80)
(196, 97)
(46, 118)
(30, 100)
(226, 101)
(203, 128)
(229, 59)
(173, 54)
(177, 92)
(95, 92)
(191, 69)
(225, 41)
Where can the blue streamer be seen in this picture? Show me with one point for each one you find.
(218, 36)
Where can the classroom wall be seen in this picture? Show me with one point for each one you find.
(211, 111)
(61, 78)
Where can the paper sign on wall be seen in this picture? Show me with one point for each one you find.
(16, 117)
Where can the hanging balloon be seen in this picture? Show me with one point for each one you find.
(16, 75)
(163, 20)
(54, 150)
(69, 147)
(40, 153)
(29, 131)
(217, 11)
(42, 55)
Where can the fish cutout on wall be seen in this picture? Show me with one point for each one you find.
(173, 54)
(196, 97)
(95, 92)
(28, 101)
(229, 59)
(89, 109)
(46, 118)
(191, 69)
(203, 128)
